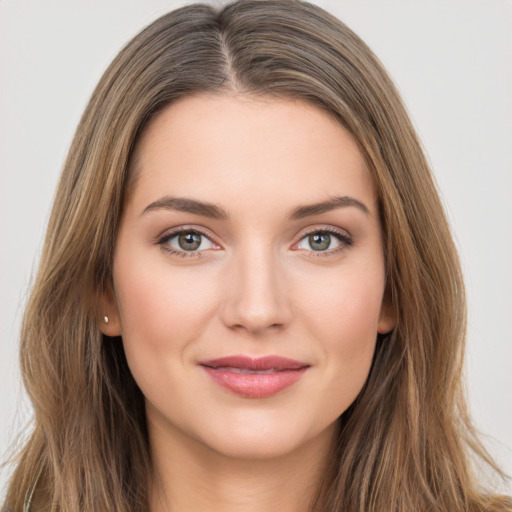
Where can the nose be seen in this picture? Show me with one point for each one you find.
(255, 295)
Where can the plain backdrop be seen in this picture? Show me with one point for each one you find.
(452, 62)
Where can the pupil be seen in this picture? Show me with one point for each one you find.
(189, 241)
(320, 242)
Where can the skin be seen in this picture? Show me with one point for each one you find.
(255, 286)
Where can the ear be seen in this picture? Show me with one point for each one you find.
(109, 322)
(387, 316)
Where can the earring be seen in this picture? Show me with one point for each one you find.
(105, 318)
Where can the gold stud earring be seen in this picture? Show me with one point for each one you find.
(105, 318)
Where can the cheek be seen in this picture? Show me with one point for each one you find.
(161, 311)
(153, 295)
(344, 314)
(344, 304)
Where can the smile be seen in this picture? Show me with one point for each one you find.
(254, 377)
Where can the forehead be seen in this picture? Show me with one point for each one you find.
(228, 146)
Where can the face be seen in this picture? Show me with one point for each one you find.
(248, 274)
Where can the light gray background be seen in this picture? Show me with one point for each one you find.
(452, 62)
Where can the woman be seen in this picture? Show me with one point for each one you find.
(249, 298)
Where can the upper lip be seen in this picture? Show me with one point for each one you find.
(255, 363)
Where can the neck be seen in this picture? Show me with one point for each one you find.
(191, 476)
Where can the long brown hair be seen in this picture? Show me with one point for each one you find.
(405, 443)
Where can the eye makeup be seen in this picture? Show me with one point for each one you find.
(195, 238)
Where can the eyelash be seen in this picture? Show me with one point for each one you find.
(345, 240)
(182, 254)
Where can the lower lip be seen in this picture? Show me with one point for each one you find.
(255, 385)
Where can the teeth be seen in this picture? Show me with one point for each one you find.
(245, 370)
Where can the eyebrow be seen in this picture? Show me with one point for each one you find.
(213, 211)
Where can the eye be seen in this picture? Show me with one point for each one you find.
(186, 242)
(324, 241)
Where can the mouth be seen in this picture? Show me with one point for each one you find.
(254, 377)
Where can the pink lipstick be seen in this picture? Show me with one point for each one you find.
(254, 377)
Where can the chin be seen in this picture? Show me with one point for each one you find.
(264, 442)
(256, 448)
